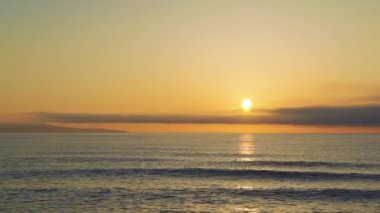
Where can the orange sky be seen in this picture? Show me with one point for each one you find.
(188, 57)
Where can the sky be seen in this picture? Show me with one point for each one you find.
(173, 65)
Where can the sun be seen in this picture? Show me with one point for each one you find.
(246, 104)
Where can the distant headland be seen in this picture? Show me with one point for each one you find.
(45, 128)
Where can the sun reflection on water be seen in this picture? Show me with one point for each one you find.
(246, 147)
(245, 209)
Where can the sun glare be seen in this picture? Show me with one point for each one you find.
(246, 104)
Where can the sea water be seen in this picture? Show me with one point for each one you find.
(189, 172)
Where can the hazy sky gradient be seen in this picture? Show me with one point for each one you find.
(186, 57)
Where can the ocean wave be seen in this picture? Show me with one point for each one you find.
(310, 194)
(308, 164)
(194, 172)
(212, 194)
(75, 159)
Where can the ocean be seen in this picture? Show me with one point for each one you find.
(189, 172)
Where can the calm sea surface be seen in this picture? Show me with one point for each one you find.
(189, 172)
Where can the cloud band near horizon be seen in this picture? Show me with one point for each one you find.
(366, 116)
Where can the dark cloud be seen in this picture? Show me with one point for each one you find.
(320, 115)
